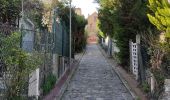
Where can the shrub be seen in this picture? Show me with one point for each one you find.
(49, 83)
(145, 87)
(16, 64)
(159, 76)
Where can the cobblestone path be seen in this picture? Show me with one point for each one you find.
(94, 80)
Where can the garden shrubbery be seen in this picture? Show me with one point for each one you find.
(49, 83)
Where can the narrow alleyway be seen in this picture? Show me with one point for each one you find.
(94, 80)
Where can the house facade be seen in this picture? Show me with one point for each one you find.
(78, 11)
(91, 28)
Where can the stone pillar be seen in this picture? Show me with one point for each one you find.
(33, 88)
(152, 83)
(55, 65)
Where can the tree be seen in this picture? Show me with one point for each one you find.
(48, 13)
(33, 9)
(10, 11)
(78, 26)
(122, 20)
(160, 15)
(79, 33)
(108, 24)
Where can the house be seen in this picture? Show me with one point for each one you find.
(78, 11)
(91, 28)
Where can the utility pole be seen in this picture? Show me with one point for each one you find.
(22, 8)
(21, 27)
(70, 34)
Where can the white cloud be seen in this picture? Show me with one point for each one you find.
(87, 6)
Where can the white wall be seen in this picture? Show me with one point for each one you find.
(33, 88)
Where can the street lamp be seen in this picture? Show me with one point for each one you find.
(70, 34)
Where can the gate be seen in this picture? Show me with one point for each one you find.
(134, 59)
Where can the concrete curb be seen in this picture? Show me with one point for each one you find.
(125, 83)
(120, 77)
(69, 78)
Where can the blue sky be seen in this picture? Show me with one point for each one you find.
(87, 6)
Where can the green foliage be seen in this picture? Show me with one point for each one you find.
(10, 10)
(100, 33)
(108, 25)
(159, 76)
(49, 83)
(166, 64)
(138, 98)
(158, 58)
(160, 15)
(122, 20)
(34, 9)
(17, 64)
(146, 87)
(79, 33)
(78, 26)
(78, 22)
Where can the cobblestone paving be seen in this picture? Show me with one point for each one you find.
(94, 80)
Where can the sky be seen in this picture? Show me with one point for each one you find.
(87, 6)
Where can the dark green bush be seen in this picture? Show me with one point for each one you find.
(166, 65)
(146, 87)
(49, 83)
(160, 77)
